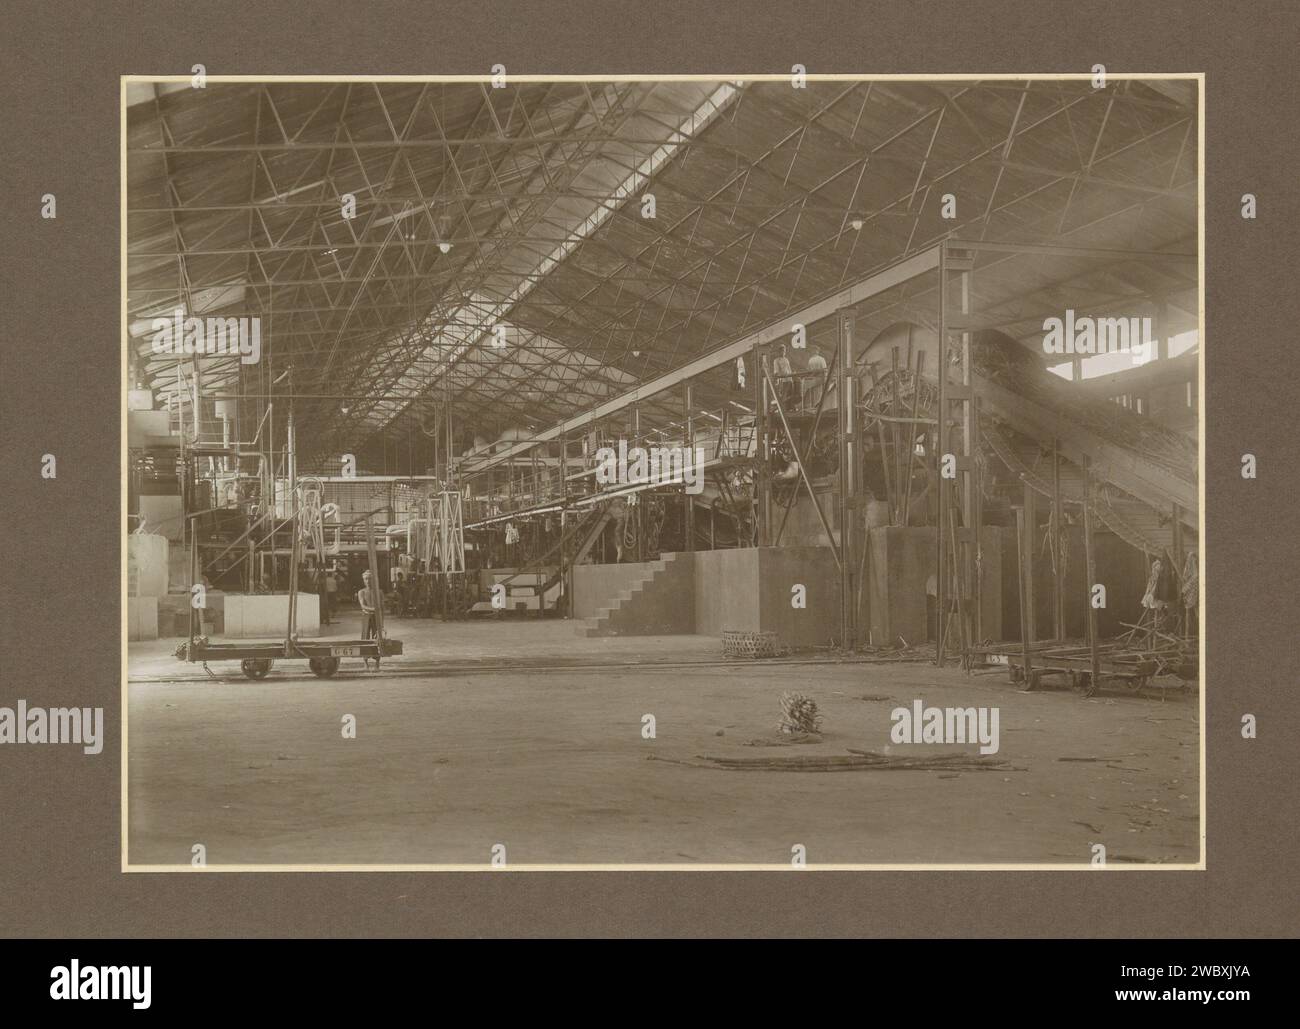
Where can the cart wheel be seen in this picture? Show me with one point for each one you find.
(323, 667)
(256, 667)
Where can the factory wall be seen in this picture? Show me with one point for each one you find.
(780, 570)
(750, 590)
(900, 565)
(147, 564)
(727, 592)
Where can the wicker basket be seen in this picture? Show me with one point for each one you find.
(752, 644)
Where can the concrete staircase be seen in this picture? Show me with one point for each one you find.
(660, 602)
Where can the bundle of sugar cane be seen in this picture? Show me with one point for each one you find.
(799, 714)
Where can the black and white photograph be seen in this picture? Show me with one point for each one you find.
(685, 472)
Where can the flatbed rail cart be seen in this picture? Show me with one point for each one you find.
(1132, 669)
(256, 659)
(323, 657)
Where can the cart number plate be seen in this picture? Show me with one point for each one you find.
(343, 651)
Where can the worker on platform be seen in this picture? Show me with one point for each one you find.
(369, 598)
(783, 377)
(813, 385)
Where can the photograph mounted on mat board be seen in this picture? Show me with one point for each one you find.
(567, 472)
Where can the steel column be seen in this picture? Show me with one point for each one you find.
(846, 409)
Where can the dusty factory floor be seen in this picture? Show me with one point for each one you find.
(526, 735)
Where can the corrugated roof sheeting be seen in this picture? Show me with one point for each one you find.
(233, 197)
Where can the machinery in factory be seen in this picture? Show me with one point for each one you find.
(937, 430)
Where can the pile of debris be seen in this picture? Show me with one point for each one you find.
(1173, 655)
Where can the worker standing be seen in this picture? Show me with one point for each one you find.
(813, 392)
(369, 598)
(783, 376)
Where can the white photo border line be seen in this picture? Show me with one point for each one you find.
(1200, 865)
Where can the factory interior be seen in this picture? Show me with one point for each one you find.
(574, 473)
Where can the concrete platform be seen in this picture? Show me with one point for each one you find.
(512, 732)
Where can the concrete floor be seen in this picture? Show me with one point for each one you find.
(524, 734)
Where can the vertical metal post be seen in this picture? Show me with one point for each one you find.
(1058, 539)
(1026, 654)
(1179, 561)
(911, 436)
(763, 485)
(637, 514)
(847, 411)
(968, 538)
(446, 467)
(194, 558)
(895, 411)
(962, 491)
(1091, 576)
(976, 578)
(291, 624)
(291, 443)
(1031, 531)
(378, 595)
(941, 416)
(689, 523)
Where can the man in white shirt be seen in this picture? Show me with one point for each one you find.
(813, 386)
(783, 376)
(369, 598)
